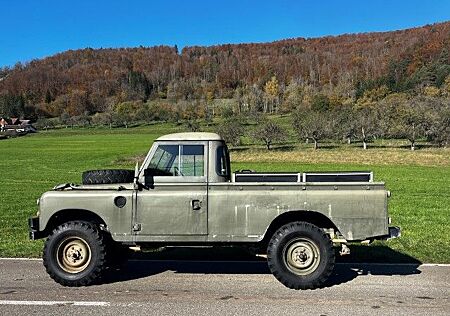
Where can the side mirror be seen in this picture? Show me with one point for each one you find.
(148, 178)
(137, 184)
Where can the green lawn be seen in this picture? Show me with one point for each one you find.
(419, 181)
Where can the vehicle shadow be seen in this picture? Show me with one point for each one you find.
(346, 272)
(239, 261)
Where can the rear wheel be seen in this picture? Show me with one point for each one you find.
(301, 256)
(74, 254)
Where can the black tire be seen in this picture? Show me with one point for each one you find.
(107, 176)
(75, 253)
(301, 256)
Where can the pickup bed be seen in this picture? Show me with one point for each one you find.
(184, 194)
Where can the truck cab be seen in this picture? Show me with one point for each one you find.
(177, 172)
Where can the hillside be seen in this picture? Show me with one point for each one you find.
(343, 68)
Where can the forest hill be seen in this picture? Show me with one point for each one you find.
(377, 77)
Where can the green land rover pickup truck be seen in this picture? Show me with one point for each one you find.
(184, 194)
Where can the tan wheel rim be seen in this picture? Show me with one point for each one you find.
(73, 255)
(301, 256)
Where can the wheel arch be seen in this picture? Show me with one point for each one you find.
(67, 215)
(312, 217)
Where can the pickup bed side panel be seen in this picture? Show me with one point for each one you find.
(243, 211)
(358, 212)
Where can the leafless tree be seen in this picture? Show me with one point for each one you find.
(366, 125)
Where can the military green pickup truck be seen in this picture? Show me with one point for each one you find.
(184, 194)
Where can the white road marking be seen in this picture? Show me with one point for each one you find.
(22, 259)
(53, 303)
(435, 265)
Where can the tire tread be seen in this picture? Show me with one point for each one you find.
(100, 264)
(107, 176)
(288, 278)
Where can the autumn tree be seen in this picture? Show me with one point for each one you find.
(446, 87)
(102, 119)
(231, 130)
(12, 105)
(439, 132)
(293, 98)
(252, 99)
(137, 86)
(124, 113)
(271, 90)
(77, 102)
(407, 122)
(313, 125)
(192, 113)
(320, 103)
(345, 126)
(81, 120)
(371, 97)
(269, 133)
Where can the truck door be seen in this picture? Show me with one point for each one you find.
(176, 203)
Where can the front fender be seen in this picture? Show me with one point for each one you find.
(77, 204)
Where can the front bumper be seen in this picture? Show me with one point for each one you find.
(33, 226)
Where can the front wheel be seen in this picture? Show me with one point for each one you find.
(74, 254)
(301, 256)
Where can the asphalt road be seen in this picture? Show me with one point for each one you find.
(226, 288)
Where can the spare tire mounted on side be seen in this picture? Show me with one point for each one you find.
(107, 176)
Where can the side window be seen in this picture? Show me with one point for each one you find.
(177, 160)
(192, 161)
(222, 162)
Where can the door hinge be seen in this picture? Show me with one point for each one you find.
(137, 227)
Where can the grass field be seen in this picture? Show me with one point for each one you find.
(419, 181)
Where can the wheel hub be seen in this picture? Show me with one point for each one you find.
(73, 255)
(302, 256)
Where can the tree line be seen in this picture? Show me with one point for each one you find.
(395, 117)
(269, 78)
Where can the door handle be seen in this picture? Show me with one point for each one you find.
(196, 205)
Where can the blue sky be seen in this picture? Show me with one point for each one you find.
(36, 29)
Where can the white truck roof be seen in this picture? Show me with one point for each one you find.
(190, 136)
